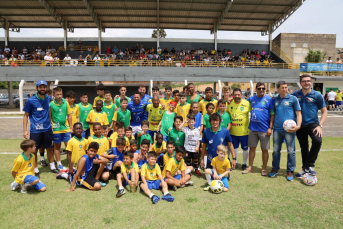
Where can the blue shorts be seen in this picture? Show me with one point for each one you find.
(44, 139)
(64, 137)
(86, 133)
(338, 103)
(29, 179)
(165, 138)
(177, 177)
(224, 180)
(128, 177)
(159, 160)
(240, 139)
(151, 133)
(153, 184)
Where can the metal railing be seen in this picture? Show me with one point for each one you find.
(278, 51)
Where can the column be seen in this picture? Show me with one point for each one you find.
(270, 38)
(10, 96)
(158, 38)
(7, 31)
(215, 40)
(99, 40)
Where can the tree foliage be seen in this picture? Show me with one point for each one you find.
(315, 56)
(4, 85)
(163, 33)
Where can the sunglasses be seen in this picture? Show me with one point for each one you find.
(261, 88)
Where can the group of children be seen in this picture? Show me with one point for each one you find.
(100, 141)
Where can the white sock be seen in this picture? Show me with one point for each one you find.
(42, 158)
(188, 171)
(151, 195)
(27, 185)
(205, 161)
(245, 156)
(36, 170)
(59, 163)
(236, 152)
(52, 165)
(166, 193)
(121, 187)
(208, 178)
(65, 176)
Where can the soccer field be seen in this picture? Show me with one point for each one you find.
(252, 201)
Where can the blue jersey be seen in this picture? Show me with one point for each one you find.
(261, 110)
(285, 109)
(198, 118)
(145, 98)
(38, 110)
(88, 165)
(112, 161)
(214, 139)
(137, 112)
(310, 104)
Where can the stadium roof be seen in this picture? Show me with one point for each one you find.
(213, 15)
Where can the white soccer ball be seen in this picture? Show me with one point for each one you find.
(309, 179)
(288, 124)
(217, 186)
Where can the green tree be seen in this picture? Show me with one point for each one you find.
(235, 85)
(4, 85)
(163, 33)
(315, 56)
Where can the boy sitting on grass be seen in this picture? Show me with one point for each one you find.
(129, 174)
(89, 169)
(115, 157)
(23, 169)
(170, 153)
(152, 179)
(221, 168)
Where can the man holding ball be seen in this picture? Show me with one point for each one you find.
(286, 107)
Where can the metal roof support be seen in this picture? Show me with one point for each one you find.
(215, 40)
(6, 26)
(221, 17)
(99, 40)
(158, 23)
(58, 18)
(270, 39)
(65, 30)
(95, 17)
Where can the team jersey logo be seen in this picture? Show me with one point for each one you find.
(242, 108)
(99, 144)
(30, 165)
(299, 98)
(96, 119)
(151, 174)
(221, 140)
(276, 103)
(310, 99)
(263, 102)
(160, 112)
(86, 111)
(80, 146)
(286, 103)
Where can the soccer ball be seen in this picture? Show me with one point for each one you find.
(288, 124)
(309, 179)
(217, 186)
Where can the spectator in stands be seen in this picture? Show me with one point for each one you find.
(7, 50)
(142, 50)
(108, 50)
(88, 60)
(105, 59)
(165, 50)
(159, 50)
(329, 62)
(1, 49)
(12, 58)
(339, 64)
(152, 50)
(22, 56)
(67, 60)
(79, 44)
(80, 61)
(48, 59)
(257, 55)
(89, 49)
(24, 51)
(115, 50)
(52, 50)
(97, 60)
(35, 57)
(263, 52)
(71, 46)
(213, 51)
(2, 55)
(47, 49)
(56, 59)
(219, 51)
(39, 51)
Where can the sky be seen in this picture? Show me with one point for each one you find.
(314, 16)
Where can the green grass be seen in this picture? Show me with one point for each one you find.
(251, 202)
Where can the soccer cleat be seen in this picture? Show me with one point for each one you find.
(155, 199)
(60, 167)
(14, 186)
(273, 173)
(189, 183)
(59, 175)
(63, 152)
(302, 173)
(102, 183)
(23, 189)
(197, 172)
(174, 188)
(120, 192)
(55, 171)
(244, 167)
(207, 187)
(289, 176)
(43, 163)
(37, 175)
(311, 171)
(168, 198)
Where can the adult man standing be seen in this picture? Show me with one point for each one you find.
(193, 97)
(137, 108)
(260, 126)
(310, 102)
(286, 107)
(239, 112)
(247, 94)
(142, 91)
(37, 109)
(331, 99)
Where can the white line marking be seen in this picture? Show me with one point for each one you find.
(11, 117)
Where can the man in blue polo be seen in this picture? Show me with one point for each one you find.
(286, 107)
(37, 110)
(310, 102)
(137, 108)
(142, 91)
(212, 138)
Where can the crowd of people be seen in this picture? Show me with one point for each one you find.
(156, 144)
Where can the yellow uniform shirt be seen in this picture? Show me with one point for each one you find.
(126, 169)
(77, 148)
(150, 173)
(99, 117)
(75, 112)
(183, 110)
(339, 96)
(23, 167)
(98, 98)
(114, 137)
(265, 62)
(104, 145)
(240, 117)
(157, 149)
(173, 166)
(155, 116)
(166, 102)
(166, 158)
(204, 102)
(221, 166)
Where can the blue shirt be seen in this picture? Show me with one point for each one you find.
(310, 104)
(198, 118)
(214, 139)
(137, 112)
(285, 109)
(146, 98)
(261, 109)
(112, 161)
(88, 165)
(38, 110)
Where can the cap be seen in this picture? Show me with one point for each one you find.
(41, 82)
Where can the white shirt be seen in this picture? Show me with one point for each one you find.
(67, 58)
(332, 96)
(329, 62)
(191, 139)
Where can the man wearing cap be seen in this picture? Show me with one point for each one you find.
(37, 109)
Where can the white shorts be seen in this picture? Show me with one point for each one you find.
(136, 129)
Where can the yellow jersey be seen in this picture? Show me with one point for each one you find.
(23, 167)
(166, 102)
(183, 110)
(221, 166)
(240, 117)
(339, 96)
(157, 149)
(173, 166)
(166, 158)
(103, 142)
(155, 116)
(150, 173)
(77, 148)
(99, 117)
(75, 112)
(125, 169)
(114, 137)
(98, 98)
(204, 102)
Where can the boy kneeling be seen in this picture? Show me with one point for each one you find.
(23, 169)
(129, 174)
(89, 169)
(152, 179)
(221, 168)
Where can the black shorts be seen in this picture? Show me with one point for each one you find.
(191, 155)
(90, 180)
(116, 171)
(44, 139)
(331, 102)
